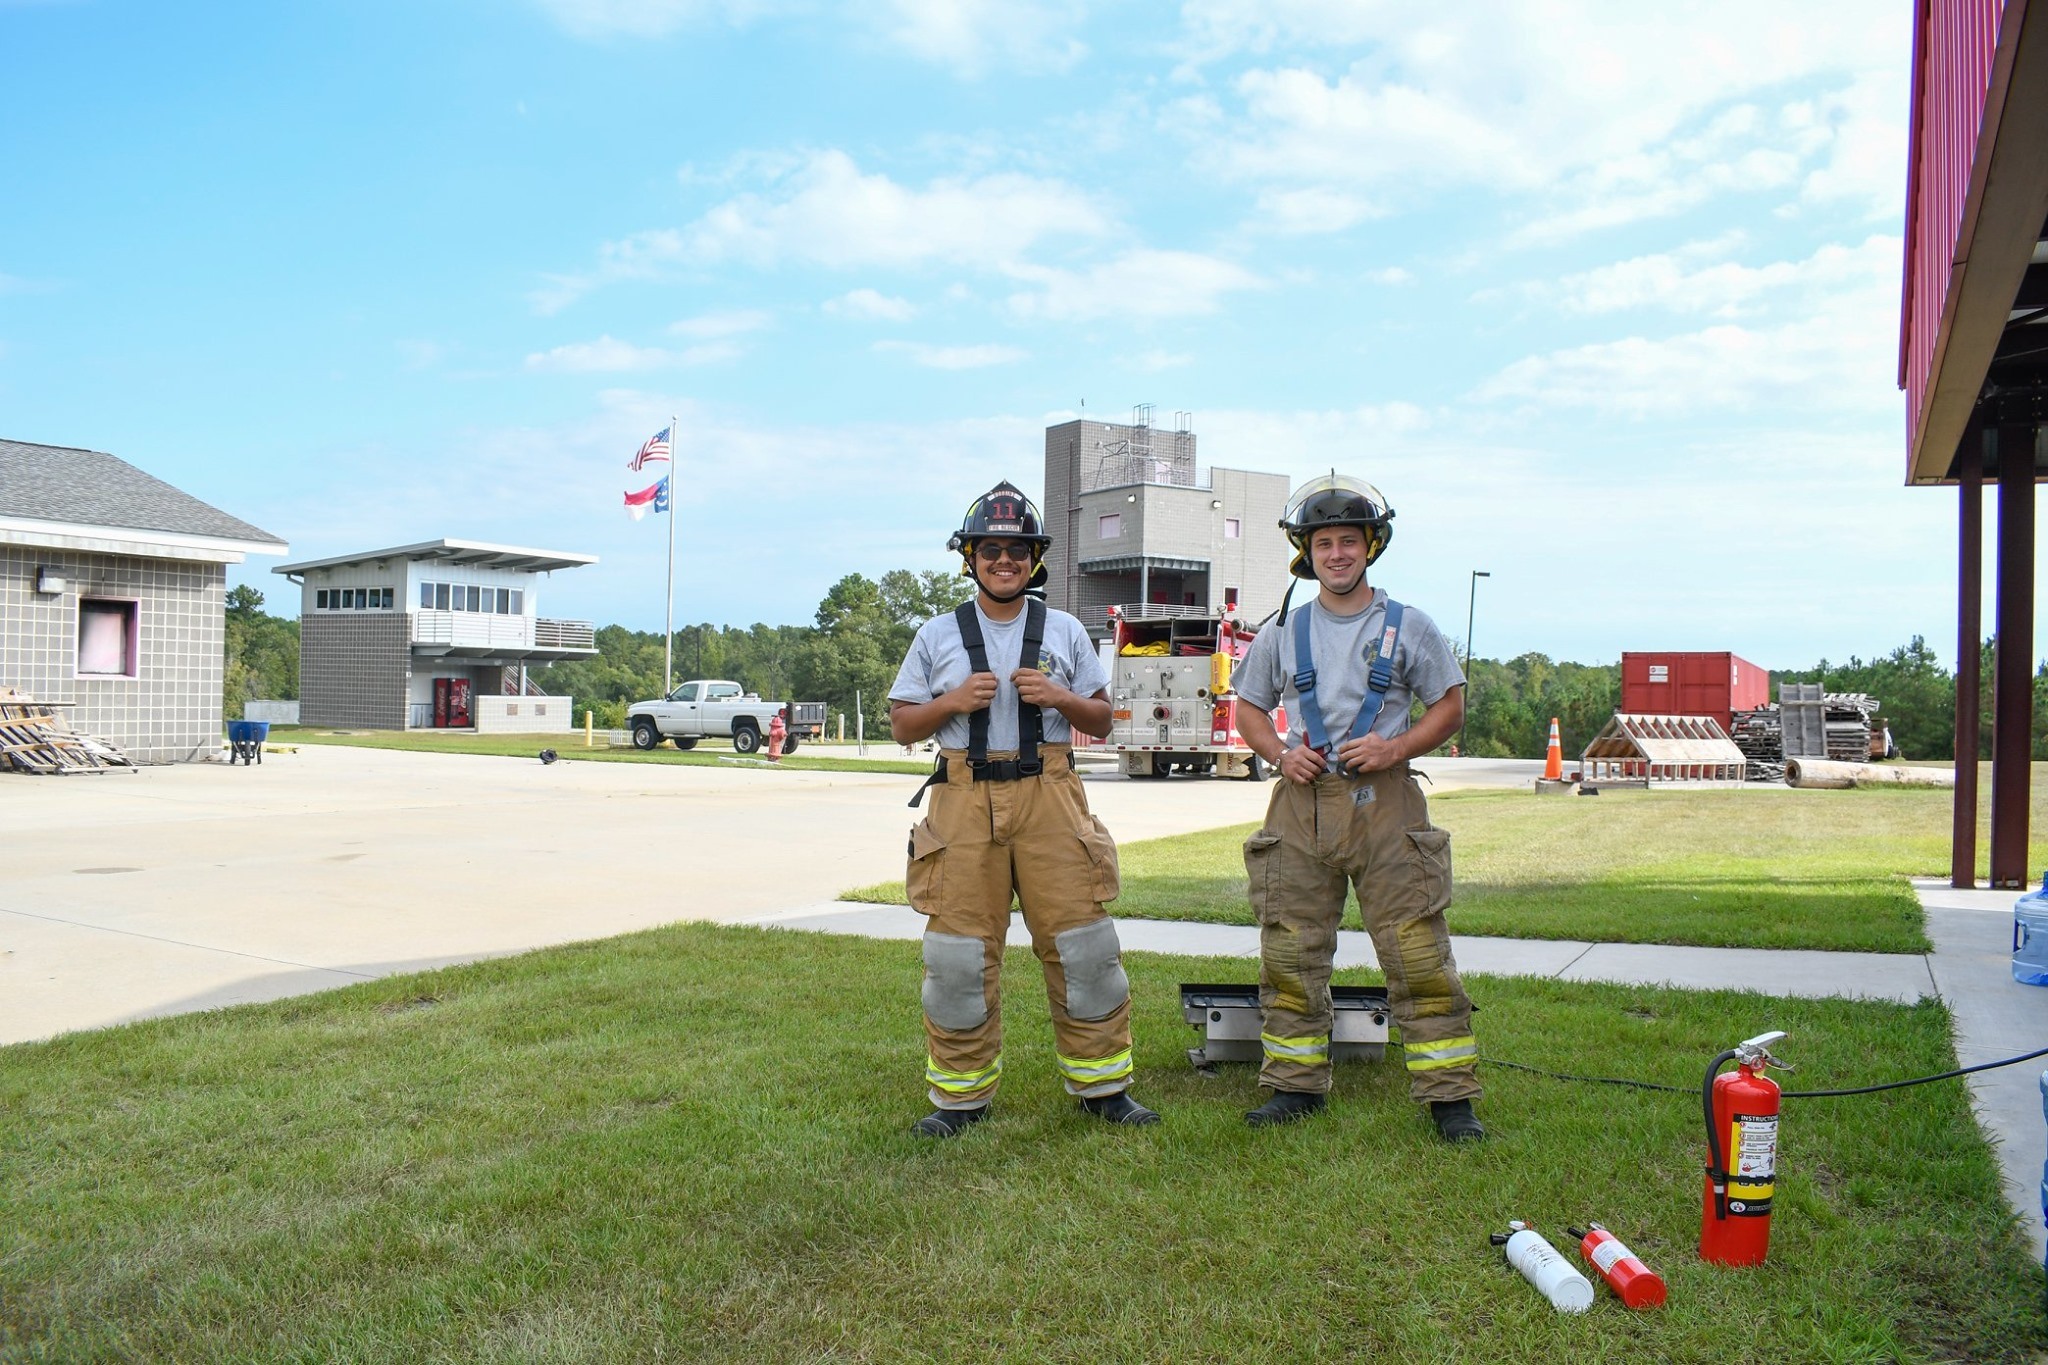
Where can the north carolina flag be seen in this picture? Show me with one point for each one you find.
(652, 499)
(655, 449)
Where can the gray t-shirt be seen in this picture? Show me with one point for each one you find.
(937, 663)
(1424, 667)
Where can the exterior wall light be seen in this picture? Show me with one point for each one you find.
(50, 580)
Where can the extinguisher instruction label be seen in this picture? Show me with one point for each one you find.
(1607, 1253)
(1752, 1164)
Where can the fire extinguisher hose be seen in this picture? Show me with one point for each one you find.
(1716, 1166)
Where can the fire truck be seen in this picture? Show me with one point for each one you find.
(1171, 701)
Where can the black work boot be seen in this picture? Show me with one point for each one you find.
(1455, 1121)
(1287, 1106)
(1119, 1108)
(945, 1123)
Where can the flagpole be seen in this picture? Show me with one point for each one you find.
(668, 634)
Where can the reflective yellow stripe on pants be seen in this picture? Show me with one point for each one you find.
(1444, 1052)
(1087, 1074)
(961, 1082)
(1312, 1051)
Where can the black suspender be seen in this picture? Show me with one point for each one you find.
(1030, 719)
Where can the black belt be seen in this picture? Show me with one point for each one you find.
(989, 770)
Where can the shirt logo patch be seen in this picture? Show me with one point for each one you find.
(1045, 661)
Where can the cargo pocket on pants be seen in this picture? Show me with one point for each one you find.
(1105, 882)
(927, 861)
(1260, 859)
(1433, 862)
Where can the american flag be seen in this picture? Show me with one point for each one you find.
(655, 449)
(651, 499)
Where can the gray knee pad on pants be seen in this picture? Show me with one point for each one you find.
(1093, 961)
(955, 997)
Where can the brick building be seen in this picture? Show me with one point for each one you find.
(113, 589)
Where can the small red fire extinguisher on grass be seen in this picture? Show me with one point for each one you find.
(1741, 1111)
(1634, 1283)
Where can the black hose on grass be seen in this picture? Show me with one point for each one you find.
(1786, 1094)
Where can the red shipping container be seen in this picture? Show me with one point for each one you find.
(1715, 685)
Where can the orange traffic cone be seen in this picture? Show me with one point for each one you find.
(1553, 762)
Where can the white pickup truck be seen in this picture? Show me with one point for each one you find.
(715, 708)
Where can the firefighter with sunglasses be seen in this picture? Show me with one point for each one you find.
(1003, 682)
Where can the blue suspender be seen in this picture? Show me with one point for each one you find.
(1379, 677)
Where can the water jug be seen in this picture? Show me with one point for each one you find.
(2030, 937)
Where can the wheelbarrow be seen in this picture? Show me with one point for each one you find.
(245, 740)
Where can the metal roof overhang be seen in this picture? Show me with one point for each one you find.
(1128, 563)
(454, 552)
(1990, 359)
(490, 655)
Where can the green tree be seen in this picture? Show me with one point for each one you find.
(261, 654)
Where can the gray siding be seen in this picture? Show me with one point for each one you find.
(1160, 519)
(171, 710)
(352, 670)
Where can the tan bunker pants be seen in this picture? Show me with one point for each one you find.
(1373, 831)
(982, 843)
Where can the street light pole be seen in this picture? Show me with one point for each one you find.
(1471, 602)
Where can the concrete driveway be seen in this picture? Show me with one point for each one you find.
(127, 895)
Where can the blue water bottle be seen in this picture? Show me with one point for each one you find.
(2030, 937)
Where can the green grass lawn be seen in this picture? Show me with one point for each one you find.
(691, 1143)
(709, 753)
(1719, 868)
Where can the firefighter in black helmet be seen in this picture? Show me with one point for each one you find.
(1003, 681)
(1347, 666)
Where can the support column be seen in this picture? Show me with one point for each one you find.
(2012, 669)
(1969, 650)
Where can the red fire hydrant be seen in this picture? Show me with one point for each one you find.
(777, 732)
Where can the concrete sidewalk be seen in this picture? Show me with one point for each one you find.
(1970, 970)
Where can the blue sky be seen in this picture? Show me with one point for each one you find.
(1603, 296)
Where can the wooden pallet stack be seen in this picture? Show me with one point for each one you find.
(1760, 734)
(35, 738)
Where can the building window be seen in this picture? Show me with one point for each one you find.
(518, 602)
(476, 599)
(107, 638)
(440, 597)
(1232, 528)
(1109, 526)
(427, 595)
(320, 599)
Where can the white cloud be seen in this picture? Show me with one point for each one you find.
(608, 355)
(1313, 210)
(712, 325)
(1603, 114)
(967, 37)
(1140, 284)
(870, 305)
(598, 19)
(828, 213)
(1678, 282)
(1153, 362)
(421, 355)
(1392, 274)
(954, 357)
(1836, 353)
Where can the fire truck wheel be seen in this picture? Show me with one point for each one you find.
(1254, 770)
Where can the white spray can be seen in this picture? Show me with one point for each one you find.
(1545, 1267)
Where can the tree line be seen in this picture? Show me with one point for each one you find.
(862, 628)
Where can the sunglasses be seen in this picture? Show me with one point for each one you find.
(990, 553)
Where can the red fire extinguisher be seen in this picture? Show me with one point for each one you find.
(1634, 1283)
(1741, 1110)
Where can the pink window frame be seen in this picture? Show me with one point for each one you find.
(132, 643)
